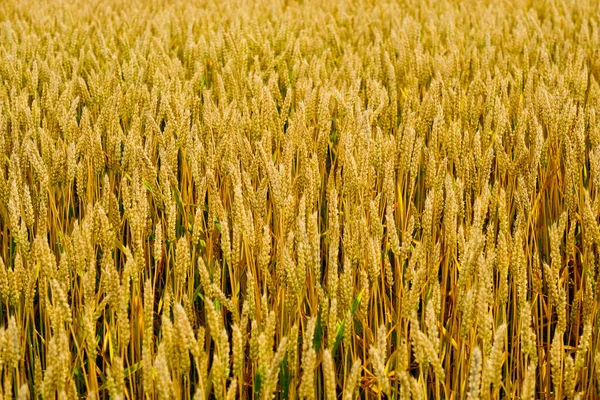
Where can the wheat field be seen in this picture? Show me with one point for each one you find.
(292, 199)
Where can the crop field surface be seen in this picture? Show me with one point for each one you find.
(291, 199)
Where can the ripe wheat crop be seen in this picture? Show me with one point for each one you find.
(292, 199)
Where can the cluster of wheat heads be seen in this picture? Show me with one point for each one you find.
(321, 199)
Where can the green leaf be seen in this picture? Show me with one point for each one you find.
(132, 369)
(148, 187)
(339, 335)
(333, 137)
(257, 382)
(318, 334)
(178, 198)
(284, 378)
(356, 302)
(79, 375)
